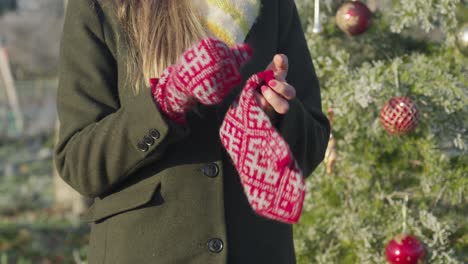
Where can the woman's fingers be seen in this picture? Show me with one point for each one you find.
(278, 102)
(284, 89)
(276, 94)
(280, 66)
(265, 105)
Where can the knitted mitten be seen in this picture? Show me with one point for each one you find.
(204, 73)
(269, 174)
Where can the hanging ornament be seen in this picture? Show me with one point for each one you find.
(405, 249)
(353, 18)
(330, 153)
(399, 115)
(462, 39)
(317, 25)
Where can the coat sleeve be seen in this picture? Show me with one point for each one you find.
(98, 139)
(304, 127)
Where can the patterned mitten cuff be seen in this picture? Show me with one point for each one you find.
(270, 176)
(173, 102)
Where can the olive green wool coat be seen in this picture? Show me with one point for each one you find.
(166, 193)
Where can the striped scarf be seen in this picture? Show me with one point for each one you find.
(229, 20)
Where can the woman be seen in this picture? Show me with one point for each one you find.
(167, 191)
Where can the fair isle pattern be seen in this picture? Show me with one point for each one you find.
(270, 176)
(206, 73)
(229, 20)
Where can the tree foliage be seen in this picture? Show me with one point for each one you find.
(351, 214)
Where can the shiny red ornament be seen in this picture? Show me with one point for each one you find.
(399, 115)
(353, 18)
(405, 249)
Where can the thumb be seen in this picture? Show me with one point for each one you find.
(242, 53)
(281, 66)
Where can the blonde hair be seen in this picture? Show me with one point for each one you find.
(157, 32)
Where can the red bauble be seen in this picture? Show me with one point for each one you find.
(353, 18)
(405, 249)
(399, 115)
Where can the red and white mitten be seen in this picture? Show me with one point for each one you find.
(270, 176)
(205, 73)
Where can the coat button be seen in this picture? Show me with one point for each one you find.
(142, 146)
(154, 133)
(148, 140)
(215, 245)
(211, 170)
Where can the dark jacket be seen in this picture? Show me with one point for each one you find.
(179, 199)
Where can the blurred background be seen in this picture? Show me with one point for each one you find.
(38, 212)
(384, 179)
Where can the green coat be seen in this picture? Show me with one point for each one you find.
(177, 199)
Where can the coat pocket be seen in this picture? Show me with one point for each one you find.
(128, 199)
(117, 204)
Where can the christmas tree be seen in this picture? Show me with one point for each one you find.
(397, 88)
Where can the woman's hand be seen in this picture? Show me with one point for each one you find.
(206, 72)
(209, 70)
(275, 95)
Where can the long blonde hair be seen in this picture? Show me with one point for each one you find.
(156, 32)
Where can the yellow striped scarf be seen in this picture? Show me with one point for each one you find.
(229, 20)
